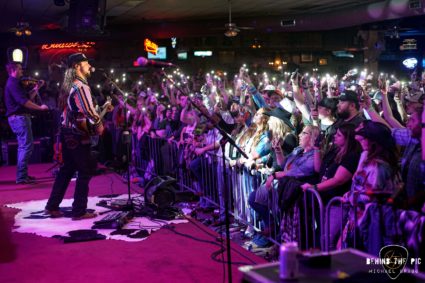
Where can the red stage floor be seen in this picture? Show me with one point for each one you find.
(163, 257)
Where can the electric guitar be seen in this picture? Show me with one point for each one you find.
(83, 125)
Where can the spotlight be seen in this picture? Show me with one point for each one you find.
(27, 32)
(18, 33)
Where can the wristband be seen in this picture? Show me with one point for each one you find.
(274, 175)
(423, 125)
(315, 187)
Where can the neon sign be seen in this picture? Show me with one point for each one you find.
(69, 45)
(409, 44)
(151, 46)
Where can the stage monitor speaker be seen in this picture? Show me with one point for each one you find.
(163, 192)
(86, 16)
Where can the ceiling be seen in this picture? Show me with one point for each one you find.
(264, 15)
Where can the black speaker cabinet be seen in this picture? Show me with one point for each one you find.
(42, 151)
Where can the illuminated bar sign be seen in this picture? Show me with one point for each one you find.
(69, 45)
(202, 53)
(409, 44)
(151, 46)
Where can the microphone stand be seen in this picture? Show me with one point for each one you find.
(226, 138)
(126, 138)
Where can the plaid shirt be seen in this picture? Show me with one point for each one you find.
(412, 169)
(80, 104)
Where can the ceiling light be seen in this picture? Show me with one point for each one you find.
(231, 33)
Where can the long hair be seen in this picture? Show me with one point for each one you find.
(68, 80)
(350, 144)
(262, 127)
(379, 152)
(278, 128)
(315, 131)
(247, 133)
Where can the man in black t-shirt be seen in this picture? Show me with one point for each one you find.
(348, 113)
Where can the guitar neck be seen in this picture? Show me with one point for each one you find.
(104, 110)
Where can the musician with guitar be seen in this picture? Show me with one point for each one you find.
(80, 122)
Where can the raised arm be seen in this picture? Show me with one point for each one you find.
(299, 100)
(388, 114)
(367, 105)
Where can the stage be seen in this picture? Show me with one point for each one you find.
(180, 254)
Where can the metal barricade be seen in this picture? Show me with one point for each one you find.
(314, 196)
(203, 175)
(344, 207)
(304, 221)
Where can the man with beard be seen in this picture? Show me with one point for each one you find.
(348, 111)
(78, 109)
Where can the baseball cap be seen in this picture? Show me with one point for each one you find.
(349, 95)
(329, 103)
(269, 87)
(76, 58)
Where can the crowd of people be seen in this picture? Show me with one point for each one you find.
(359, 137)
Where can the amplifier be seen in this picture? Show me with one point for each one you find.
(42, 151)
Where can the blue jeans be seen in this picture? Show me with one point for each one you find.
(21, 126)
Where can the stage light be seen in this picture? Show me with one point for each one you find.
(36, 74)
(18, 33)
(27, 32)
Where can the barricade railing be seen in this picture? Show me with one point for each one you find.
(203, 175)
(346, 211)
(314, 197)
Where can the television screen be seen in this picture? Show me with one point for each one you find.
(182, 55)
(161, 54)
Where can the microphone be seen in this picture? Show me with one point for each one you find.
(143, 62)
(93, 69)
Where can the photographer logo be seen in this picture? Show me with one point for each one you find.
(393, 259)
